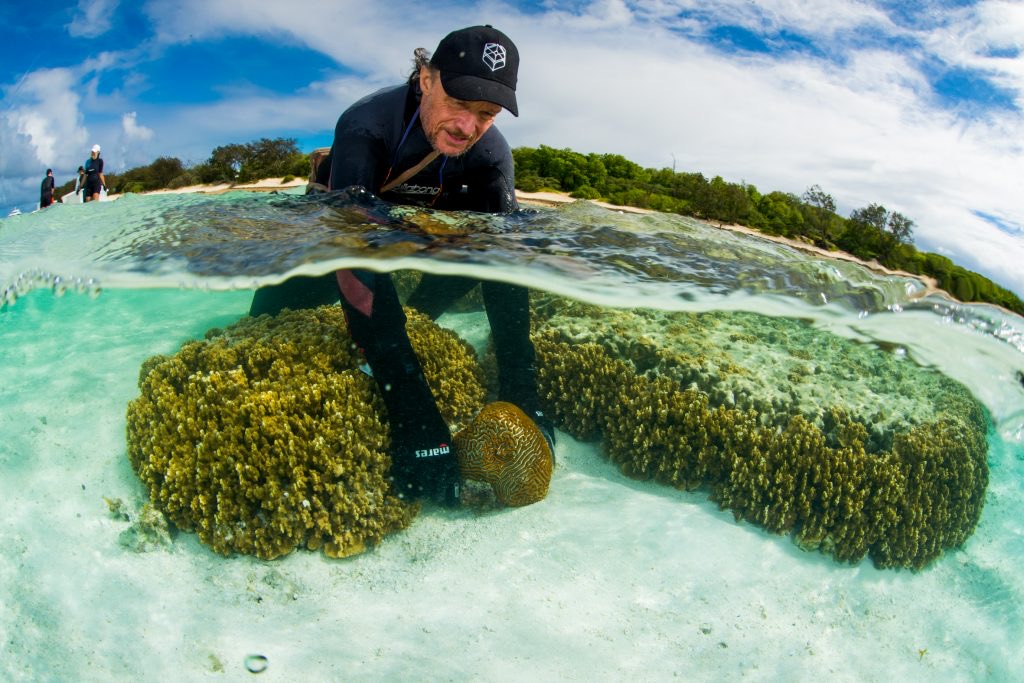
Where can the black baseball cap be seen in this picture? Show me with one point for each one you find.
(479, 63)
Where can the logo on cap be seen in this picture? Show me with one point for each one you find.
(494, 56)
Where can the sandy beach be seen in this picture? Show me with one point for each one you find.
(265, 185)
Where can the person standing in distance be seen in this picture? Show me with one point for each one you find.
(94, 180)
(46, 190)
(80, 183)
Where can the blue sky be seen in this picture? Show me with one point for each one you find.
(918, 106)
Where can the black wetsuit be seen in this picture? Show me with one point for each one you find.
(378, 138)
(46, 192)
(93, 170)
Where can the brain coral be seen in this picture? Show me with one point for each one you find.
(265, 436)
(902, 507)
(504, 448)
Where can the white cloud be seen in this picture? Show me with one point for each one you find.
(988, 37)
(237, 119)
(598, 14)
(92, 18)
(42, 124)
(376, 39)
(808, 17)
(132, 143)
(132, 130)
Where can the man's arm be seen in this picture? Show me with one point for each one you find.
(354, 161)
(359, 154)
(497, 187)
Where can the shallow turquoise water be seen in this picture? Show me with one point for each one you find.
(93, 291)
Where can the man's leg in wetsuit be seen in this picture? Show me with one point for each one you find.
(295, 293)
(508, 311)
(423, 463)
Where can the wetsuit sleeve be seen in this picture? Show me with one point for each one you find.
(357, 155)
(499, 186)
(497, 193)
(506, 183)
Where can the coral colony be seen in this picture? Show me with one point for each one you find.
(266, 437)
(900, 495)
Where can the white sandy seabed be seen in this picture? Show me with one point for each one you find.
(608, 579)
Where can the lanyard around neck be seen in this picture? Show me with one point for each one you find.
(415, 169)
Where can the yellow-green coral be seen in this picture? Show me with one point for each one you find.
(778, 367)
(902, 507)
(450, 366)
(266, 436)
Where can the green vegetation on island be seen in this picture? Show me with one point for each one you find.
(870, 233)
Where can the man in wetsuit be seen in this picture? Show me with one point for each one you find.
(430, 142)
(46, 190)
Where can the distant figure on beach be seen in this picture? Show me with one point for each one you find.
(46, 190)
(80, 180)
(428, 142)
(94, 180)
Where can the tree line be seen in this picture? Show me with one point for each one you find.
(870, 233)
